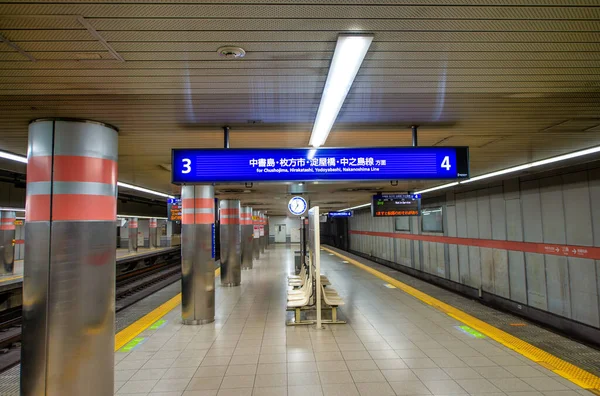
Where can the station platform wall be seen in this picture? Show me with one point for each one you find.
(531, 241)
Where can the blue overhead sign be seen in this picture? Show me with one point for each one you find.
(323, 164)
(346, 213)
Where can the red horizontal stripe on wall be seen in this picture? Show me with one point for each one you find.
(39, 169)
(76, 207)
(37, 207)
(19, 241)
(588, 252)
(71, 168)
(189, 203)
(7, 227)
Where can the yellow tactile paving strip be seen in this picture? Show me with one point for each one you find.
(565, 369)
(9, 278)
(132, 331)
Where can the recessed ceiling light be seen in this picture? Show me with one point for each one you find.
(231, 52)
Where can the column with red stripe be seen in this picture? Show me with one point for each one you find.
(247, 236)
(262, 242)
(231, 240)
(197, 254)
(7, 242)
(132, 228)
(256, 234)
(153, 241)
(69, 277)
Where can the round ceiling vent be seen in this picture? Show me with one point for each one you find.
(231, 52)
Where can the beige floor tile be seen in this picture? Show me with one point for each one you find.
(237, 381)
(444, 387)
(270, 380)
(138, 386)
(405, 388)
(204, 383)
(303, 390)
(235, 392)
(375, 388)
(333, 366)
(270, 391)
(335, 377)
(165, 385)
(399, 375)
(301, 379)
(367, 376)
(340, 390)
(210, 371)
(302, 367)
(271, 368)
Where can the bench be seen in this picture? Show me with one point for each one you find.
(333, 299)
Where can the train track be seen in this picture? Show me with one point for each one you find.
(130, 288)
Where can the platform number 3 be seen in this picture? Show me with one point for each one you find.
(446, 163)
(188, 162)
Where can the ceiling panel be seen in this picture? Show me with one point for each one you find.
(516, 80)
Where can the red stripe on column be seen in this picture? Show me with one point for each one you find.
(7, 227)
(187, 218)
(37, 207)
(76, 207)
(39, 169)
(230, 211)
(204, 218)
(19, 241)
(588, 252)
(71, 168)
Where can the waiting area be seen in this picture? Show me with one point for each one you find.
(392, 344)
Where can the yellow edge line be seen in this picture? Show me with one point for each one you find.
(2, 280)
(565, 369)
(132, 331)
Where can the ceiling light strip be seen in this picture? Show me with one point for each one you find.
(348, 56)
(22, 159)
(546, 161)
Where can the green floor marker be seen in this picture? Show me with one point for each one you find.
(158, 324)
(132, 344)
(470, 331)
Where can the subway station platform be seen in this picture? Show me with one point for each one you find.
(393, 344)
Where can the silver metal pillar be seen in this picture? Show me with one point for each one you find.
(197, 255)
(231, 240)
(256, 234)
(132, 226)
(7, 237)
(262, 244)
(68, 335)
(153, 241)
(247, 236)
(267, 232)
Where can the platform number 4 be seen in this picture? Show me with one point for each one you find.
(188, 162)
(446, 163)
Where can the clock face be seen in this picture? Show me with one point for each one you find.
(297, 206)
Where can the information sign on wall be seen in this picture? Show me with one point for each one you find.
(304, 164)
(388, 205)
(345, 213)
(174, 209)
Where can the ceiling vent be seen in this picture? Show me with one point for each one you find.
(231, 52)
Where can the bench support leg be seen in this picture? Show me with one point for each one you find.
(297, 315)
(334, 314)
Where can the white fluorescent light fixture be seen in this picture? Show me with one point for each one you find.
(124, 216)
(142, 189)
(4, 209)
(20, 158)
(546, 161)
(349, 53)
(355, 207)
(13, 157)
(437, 188)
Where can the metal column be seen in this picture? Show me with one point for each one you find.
(132, 227)
(68, 335)
(262, 231)
(256, 234)
(7, 237)
(266, 232)
(197, 255)
(153, 242)
(231, 240)
(247, 236)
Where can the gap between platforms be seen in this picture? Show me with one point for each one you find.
(130, 332)
(565, 369)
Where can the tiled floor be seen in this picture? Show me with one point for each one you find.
(392, 345)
